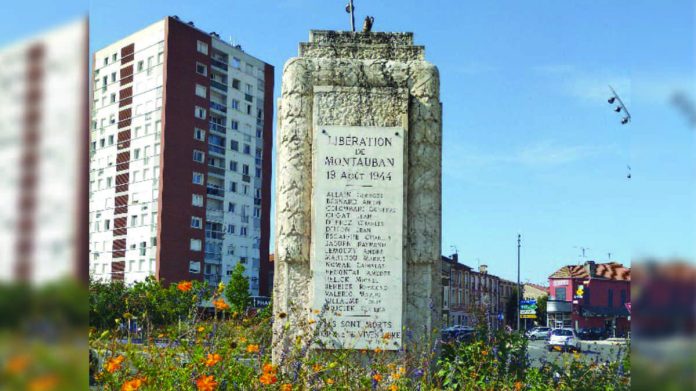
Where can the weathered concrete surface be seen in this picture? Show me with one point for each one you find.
(358, 79)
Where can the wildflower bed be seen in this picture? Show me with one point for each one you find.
(225, 350)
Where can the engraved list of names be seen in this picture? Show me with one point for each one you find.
(357, 235)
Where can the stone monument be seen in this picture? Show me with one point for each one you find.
(358, 193)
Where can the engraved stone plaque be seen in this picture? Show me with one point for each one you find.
(357, 235)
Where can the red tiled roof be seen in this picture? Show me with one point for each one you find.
(610, 271)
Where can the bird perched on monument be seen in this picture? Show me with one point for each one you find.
(367, 25)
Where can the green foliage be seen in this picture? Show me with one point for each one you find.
(237, 290)
(511, 310)
(235, 351)
(541, 309)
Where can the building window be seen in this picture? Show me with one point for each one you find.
(257, 212)
(233, 166)
(196, 222)
(231, 207)
(201, 91)
(233, 186)
(199, 134)
(230, 229)
(114, 56)
(195, 245)
(258, 172)
(202, 47)
(194, 267)
(143, 248)
(236, 63)
(141, 65)
(200, 112)
(198, 156)
(247, 149)
(243, 231)
(234, 145)
(245, 169)
(134, 220)
(197, 200)
(201, 69)
(235, 104)
(234, 125)
(561, 293)
(610, 298)
(197, 178)
(235, 84)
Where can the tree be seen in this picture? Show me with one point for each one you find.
(541, 309)
(237, 290)
(511, 310)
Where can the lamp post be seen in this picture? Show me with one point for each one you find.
(519, 297)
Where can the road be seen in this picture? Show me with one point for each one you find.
(591, 351)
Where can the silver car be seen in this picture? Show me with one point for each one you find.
(538, 333)
(563, 339)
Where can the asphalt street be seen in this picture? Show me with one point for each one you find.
(590, 351)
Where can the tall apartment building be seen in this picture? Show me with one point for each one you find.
(180, 175)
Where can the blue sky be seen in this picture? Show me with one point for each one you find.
(530, 144)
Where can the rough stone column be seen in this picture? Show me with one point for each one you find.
(358, 79)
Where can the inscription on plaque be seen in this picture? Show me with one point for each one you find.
(357, 235)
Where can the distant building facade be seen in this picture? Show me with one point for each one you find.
(590, 296)
(534, 291)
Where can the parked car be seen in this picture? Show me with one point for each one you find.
(565, 339)
(592, 334)
(538, 333)
(458, 333)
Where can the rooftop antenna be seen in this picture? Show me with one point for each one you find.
(583, 249)
(454, 249)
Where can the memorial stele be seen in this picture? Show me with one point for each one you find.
(358, 194)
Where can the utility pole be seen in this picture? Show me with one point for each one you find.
(519, 297)
(351, 10)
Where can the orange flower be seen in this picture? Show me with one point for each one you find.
(317, 367)
(396, 376)
(269, 368)
(201, 329)
(518, 385)
(206, 383)
(377, 377)
(268, 379)
(378, 350)
(242, 340)
(286, 387)
(184, 286)
(43, 383)
(221, 305)
(402, 371)
(114, 364)
(393, 387)
(212, 359)
(329, 381)
(484, 352)
(17, 364)
(252, 348)
(132, 385)
(386, 335)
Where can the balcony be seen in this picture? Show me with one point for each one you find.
(213, 258)
(216, 150)
(216, 127)
(218, 64)
(213, 190)
(220, 86)
(214, 214)
(219, 235)
(218, 107)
